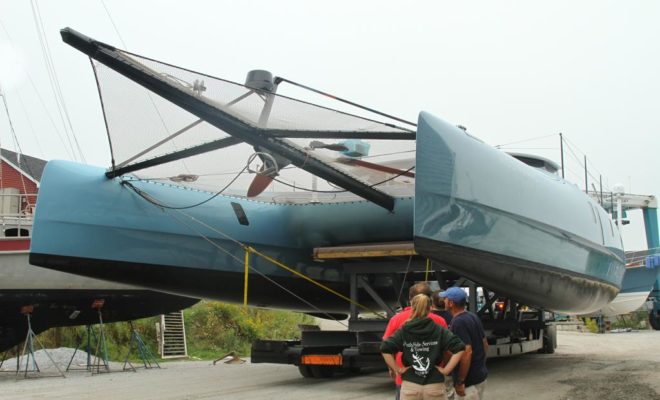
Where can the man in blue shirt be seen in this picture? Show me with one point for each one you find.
(470, 376)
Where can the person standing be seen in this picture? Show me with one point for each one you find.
(399, 319)
(470, 376)
(438, 307)
(423, 344)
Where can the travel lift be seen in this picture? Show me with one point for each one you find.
(617, 203)
(511, 327)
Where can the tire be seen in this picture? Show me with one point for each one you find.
(549, 340)
(305, 371)
(654, 321)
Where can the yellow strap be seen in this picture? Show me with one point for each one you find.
(247, 267)
(428, 266)
(293, 271)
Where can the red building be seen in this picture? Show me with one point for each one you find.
(19, 182)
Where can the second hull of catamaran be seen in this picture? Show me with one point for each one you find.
(476, 211)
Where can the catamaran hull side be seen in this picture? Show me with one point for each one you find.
(117, 235)
(512, 228)
(209, 283)
(553, 288)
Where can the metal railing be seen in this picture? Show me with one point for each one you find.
(16, 213)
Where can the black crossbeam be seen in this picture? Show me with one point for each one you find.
(177, 155)
(282, 133)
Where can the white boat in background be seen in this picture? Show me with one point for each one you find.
(56, 298)
(638, 281)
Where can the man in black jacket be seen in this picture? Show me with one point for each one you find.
(470, 376)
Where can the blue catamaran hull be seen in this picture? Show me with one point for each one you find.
(527, 234)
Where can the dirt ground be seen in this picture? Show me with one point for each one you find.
(585, 367)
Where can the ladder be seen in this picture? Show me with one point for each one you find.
(173, 336)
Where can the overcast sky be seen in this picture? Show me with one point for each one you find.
(507, 70)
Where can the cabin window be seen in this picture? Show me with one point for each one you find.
(15, 232)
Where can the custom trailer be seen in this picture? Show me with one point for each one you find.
(511, 327)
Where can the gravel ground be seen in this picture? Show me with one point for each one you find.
(585, 367)
(46, 365)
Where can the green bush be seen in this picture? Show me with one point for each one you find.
(634, 320)
(592, 325)
(218, 328)
(212, 330)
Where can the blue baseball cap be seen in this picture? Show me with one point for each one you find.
(454, 294)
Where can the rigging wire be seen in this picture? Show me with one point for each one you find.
(572, 152)
(333, 97)
(524, 140)
(149, 94)
(41, 100)
(157, 203)
(54, 81)
(390, 154)
(152, 200)
(253, 269)
(29, 122)
(403, 281)
(342, 191)
(528, 148)
(112, 21)
(19, 151)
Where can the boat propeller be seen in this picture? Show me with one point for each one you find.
(269, 169)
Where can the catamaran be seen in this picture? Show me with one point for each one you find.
(159, 216)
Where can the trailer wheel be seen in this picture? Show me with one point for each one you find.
(548, 345)
(305, 371)
(654, 320)
(549, 340)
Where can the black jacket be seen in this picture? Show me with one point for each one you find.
(423, 343)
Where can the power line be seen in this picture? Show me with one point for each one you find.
(524, 140)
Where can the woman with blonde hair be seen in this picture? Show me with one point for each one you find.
(423, 344)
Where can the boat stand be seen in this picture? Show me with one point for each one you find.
(101, 345)
(88, 348)
(28, 348)
(144, 353)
